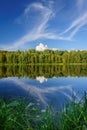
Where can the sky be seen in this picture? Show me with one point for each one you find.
(58, 24)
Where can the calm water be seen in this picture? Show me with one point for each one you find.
(44, 85)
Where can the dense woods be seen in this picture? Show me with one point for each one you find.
(48, 56)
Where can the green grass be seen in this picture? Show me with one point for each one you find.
(18, 115)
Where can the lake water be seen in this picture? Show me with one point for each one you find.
(44, 85)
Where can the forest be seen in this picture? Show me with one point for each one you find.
(39, 57)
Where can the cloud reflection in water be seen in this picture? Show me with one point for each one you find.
(40, 93)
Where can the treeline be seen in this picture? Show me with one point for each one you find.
(48, 71)
(48, 56)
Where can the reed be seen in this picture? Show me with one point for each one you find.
(18, 115)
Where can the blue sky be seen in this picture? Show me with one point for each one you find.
(60, 24)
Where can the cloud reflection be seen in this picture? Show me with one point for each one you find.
(40, 93)
(41, 79)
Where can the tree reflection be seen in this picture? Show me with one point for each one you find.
(47, 71)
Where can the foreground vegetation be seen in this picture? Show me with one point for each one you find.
(48, 56)
(18, 115)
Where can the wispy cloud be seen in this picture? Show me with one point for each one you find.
(40, 29)
(80, 4)
(76, 25)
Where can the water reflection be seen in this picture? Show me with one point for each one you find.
(38, 82)
(48, 71)
(44, 95)
(41, 79)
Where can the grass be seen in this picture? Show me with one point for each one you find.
(18, 115)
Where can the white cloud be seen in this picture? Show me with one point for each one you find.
(41, 47)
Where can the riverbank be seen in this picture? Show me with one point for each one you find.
(18, 115)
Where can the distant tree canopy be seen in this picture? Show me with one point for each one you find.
(48, 56)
